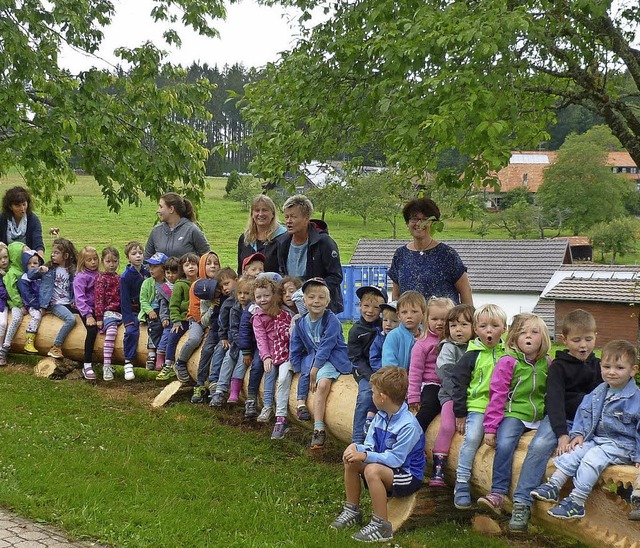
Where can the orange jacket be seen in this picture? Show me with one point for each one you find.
(194, 302)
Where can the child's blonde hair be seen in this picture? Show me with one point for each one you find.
(461, 310)
(517, 327)
(83, 255)
(3, 247)
(392, 381)
(414, 298)
(267, 283)
(440, 302)
(245, 282)
(492, 312)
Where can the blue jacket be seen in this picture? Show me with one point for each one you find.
(29, 289)
(620, 417)
(332, 347)
(130, 284)
(396, 441)
(46, 285)
(397, 347)
(375, 352)
(246, 338)
(235, 315)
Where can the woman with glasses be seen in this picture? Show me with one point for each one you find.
(424, 264)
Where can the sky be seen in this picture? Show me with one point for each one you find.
(252, 35)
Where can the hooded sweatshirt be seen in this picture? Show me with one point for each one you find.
(15, 271)
(29, 288)
(84, 285)
(194, 301)
(183, 238)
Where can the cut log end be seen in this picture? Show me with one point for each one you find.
(167, 394)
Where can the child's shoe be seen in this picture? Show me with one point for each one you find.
(55, 352)
(349, 517)
(151, 361)
(166, 373)
(634, 515)
(318, 439)
(439, 465)
(88, 373)
(250, 409)
(492, 501)
(198, 394)
(378, 530)
(3, 355)
(217, 400)
(129, 375)
(547, 492)
(303, 414)
(520, 516)
(29, 346)
(462, 495)
(107, 372)
(280, 429)
(266, 414)
(234, 392)
(567, 509)
(181, 372)
(159, 361)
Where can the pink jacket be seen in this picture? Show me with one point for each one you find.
(272, 335)
(422, 368)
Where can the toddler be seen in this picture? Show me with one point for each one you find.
(171, 273)
(150, 306)
(29, 288)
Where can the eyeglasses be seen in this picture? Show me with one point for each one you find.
(416, 220)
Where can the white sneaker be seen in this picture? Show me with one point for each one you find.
(107, 372)
(265, 415)
(129, 375)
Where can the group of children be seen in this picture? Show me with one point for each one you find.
(430, 358)
(412, 360)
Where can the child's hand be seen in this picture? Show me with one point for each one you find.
(563, 445)
(460, 425)
(177, 327)
(637, 464)
(43, 269)
(225, 344)
(247, 359)
(414, 407)
(91, 321)
(351, 455)
(100, 324)
(268, 363)
(312, 379)
(152, 315)
(490, 440)
(576, 441)
(165, 323)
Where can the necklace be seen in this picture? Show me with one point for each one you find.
(425, 248)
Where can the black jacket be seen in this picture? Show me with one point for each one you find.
(361, 337)
(323, 261)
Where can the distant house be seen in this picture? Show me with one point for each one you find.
(610, 293)
(581, 247)
(510, 273)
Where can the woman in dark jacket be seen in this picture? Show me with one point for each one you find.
(18, 223)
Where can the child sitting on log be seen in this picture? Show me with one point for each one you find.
(150, 306)
(391, 461)
(317, 344)
(412, 309)
(4, 296)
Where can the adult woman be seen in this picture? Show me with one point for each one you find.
(424, 264)
(262, 233)
(176, 234)
(18, 223)
(307, 251)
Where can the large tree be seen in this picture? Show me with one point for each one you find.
(417, 77)
(127, 127)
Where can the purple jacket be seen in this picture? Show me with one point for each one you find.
(84, 292)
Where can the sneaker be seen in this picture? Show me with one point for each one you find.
(181, 372)
(347, 518)
(166, 373)
(548, 492)
(198, 394)
(129, 375)
(303, 414)
(266, 414)
(376, 531)
(462, 495)
(88, 373)
(520, 516)
(107, 372)
(492, 501)
(217, 400)
(55, 352)
(634, 515)
(151, 362)
(318, 439)
(250, 409)
(280, 429)
(567, 509)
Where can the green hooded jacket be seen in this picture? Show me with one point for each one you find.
(14, 273)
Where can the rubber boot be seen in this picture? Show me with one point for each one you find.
(439, 466)
(29, 347)
(236, 386)
(159, 361)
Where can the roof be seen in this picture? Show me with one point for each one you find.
(616, 290)
(493, 265)
(575, 240)
(546, 309)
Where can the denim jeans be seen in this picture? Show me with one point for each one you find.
(230, 370)
(473, 437)
(255, 375)
(304, 380)
(69, 319)
(364, 404)
(173, 339)
(585, 464)
(154, 332)
(195, 334)
(509, 433)
(206, 353)
(269, 385)
(535, 463)
(216, 363)
(285, 375)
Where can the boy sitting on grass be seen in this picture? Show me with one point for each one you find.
(391, 461)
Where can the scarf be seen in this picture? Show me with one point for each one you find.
(16, 232)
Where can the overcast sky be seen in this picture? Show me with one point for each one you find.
(252, 35)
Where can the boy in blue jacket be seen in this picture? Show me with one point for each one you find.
(397, 346)
(391, 460)
(318, 347)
